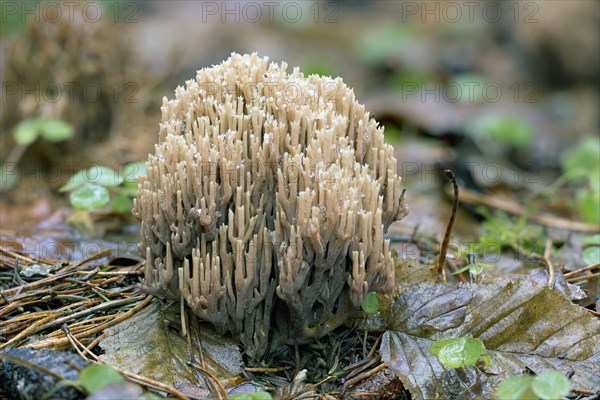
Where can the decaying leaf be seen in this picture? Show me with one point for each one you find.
(523, 325)
(147, 344)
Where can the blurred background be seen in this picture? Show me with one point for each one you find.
(505, 94)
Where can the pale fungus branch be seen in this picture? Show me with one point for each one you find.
(266, 201)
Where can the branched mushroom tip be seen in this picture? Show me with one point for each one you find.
(266, 201)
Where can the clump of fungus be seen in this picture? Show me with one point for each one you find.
(266, 202)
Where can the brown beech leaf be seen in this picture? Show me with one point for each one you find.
(523, 324)
(149, 344)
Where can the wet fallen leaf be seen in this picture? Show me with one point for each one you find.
(149, 344)
(523, 325)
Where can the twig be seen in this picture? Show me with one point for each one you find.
(75, 343)
(583, 277)
(34, 285)
(551, 277)
(63, 341)
(364, 360)
(365, 366)
(96, 341)
(89, 258)
(215, 383)
(375, 346)
(196, 331)
(446, 241)
(153, 384)
(580, 270)
(28, 330)
(594, 313)
(355, 380)
(297, 354)
(302, 393)
(102, 306)
(583, 392)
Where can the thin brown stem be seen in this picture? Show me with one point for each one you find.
(446, 241)
(580, 270)
(583, 277)
(551, 276)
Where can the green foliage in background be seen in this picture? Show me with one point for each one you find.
(500, 231)
(319, 67)
(591, 249)
(98, 186)
(383, 41)
(25, 133)
(411, 79)
(53, 130)
(581, 166)
(500, 130)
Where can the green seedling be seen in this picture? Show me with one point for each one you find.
(97, 186)
(475, 269)
(459, 352)
(551, 385)
(370, 304)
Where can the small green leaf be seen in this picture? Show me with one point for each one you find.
(89, 197)
(95, 174)
(129, 188)
(318, 66)
(465, 88)
(591, 255)
(384, 41)
(580, 160)
(27, 131)
(370, 304)
(121, 203)
(435, 348)
(392, 134)
(516, 388)
(591, 240)
(412, 79)
(96, 376)
(55, 130)
(551, 385)
(103, 176)
(74, 182)
(133, 170)
(486, 359)
(474, 269)
(503, 129)
(588, 202)
(458, 352)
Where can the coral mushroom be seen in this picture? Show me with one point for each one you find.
(266, 202)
